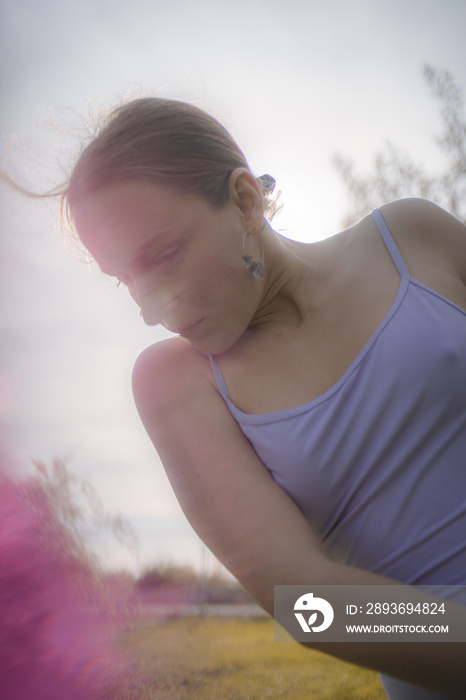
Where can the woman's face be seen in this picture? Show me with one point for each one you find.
(180, 258)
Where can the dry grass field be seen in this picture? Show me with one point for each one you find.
(235, 659)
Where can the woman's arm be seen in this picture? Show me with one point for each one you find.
(225, 491)
(245, 518)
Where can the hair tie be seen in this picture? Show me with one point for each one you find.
(267, 183)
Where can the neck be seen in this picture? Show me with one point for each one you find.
(288, 273)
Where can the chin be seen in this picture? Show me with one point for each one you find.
(213, 346)
(204, 348)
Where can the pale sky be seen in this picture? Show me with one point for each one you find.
(294, 81)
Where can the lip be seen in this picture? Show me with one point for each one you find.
(187, 331)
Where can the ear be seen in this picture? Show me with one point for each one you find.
(246, 195)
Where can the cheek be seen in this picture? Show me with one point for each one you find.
(222, 287)
(234, 304)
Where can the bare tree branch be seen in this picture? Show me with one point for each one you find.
(396, 175)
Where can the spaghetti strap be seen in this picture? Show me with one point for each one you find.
(218, 376)
(390, 243)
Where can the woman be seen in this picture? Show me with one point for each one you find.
(311, 413)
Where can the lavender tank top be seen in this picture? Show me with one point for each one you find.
(377, 464)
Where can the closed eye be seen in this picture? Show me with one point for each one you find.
(167, 257)
(145, 262)
(150, 261)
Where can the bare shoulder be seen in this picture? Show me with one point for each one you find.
(427, 235)
(168, 372)
(179, 403)
(419, 221)
(421, 214)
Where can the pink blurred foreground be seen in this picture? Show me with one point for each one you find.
(59, 626)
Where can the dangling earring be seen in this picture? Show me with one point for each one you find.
(257, 268)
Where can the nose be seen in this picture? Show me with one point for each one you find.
(158, 308)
